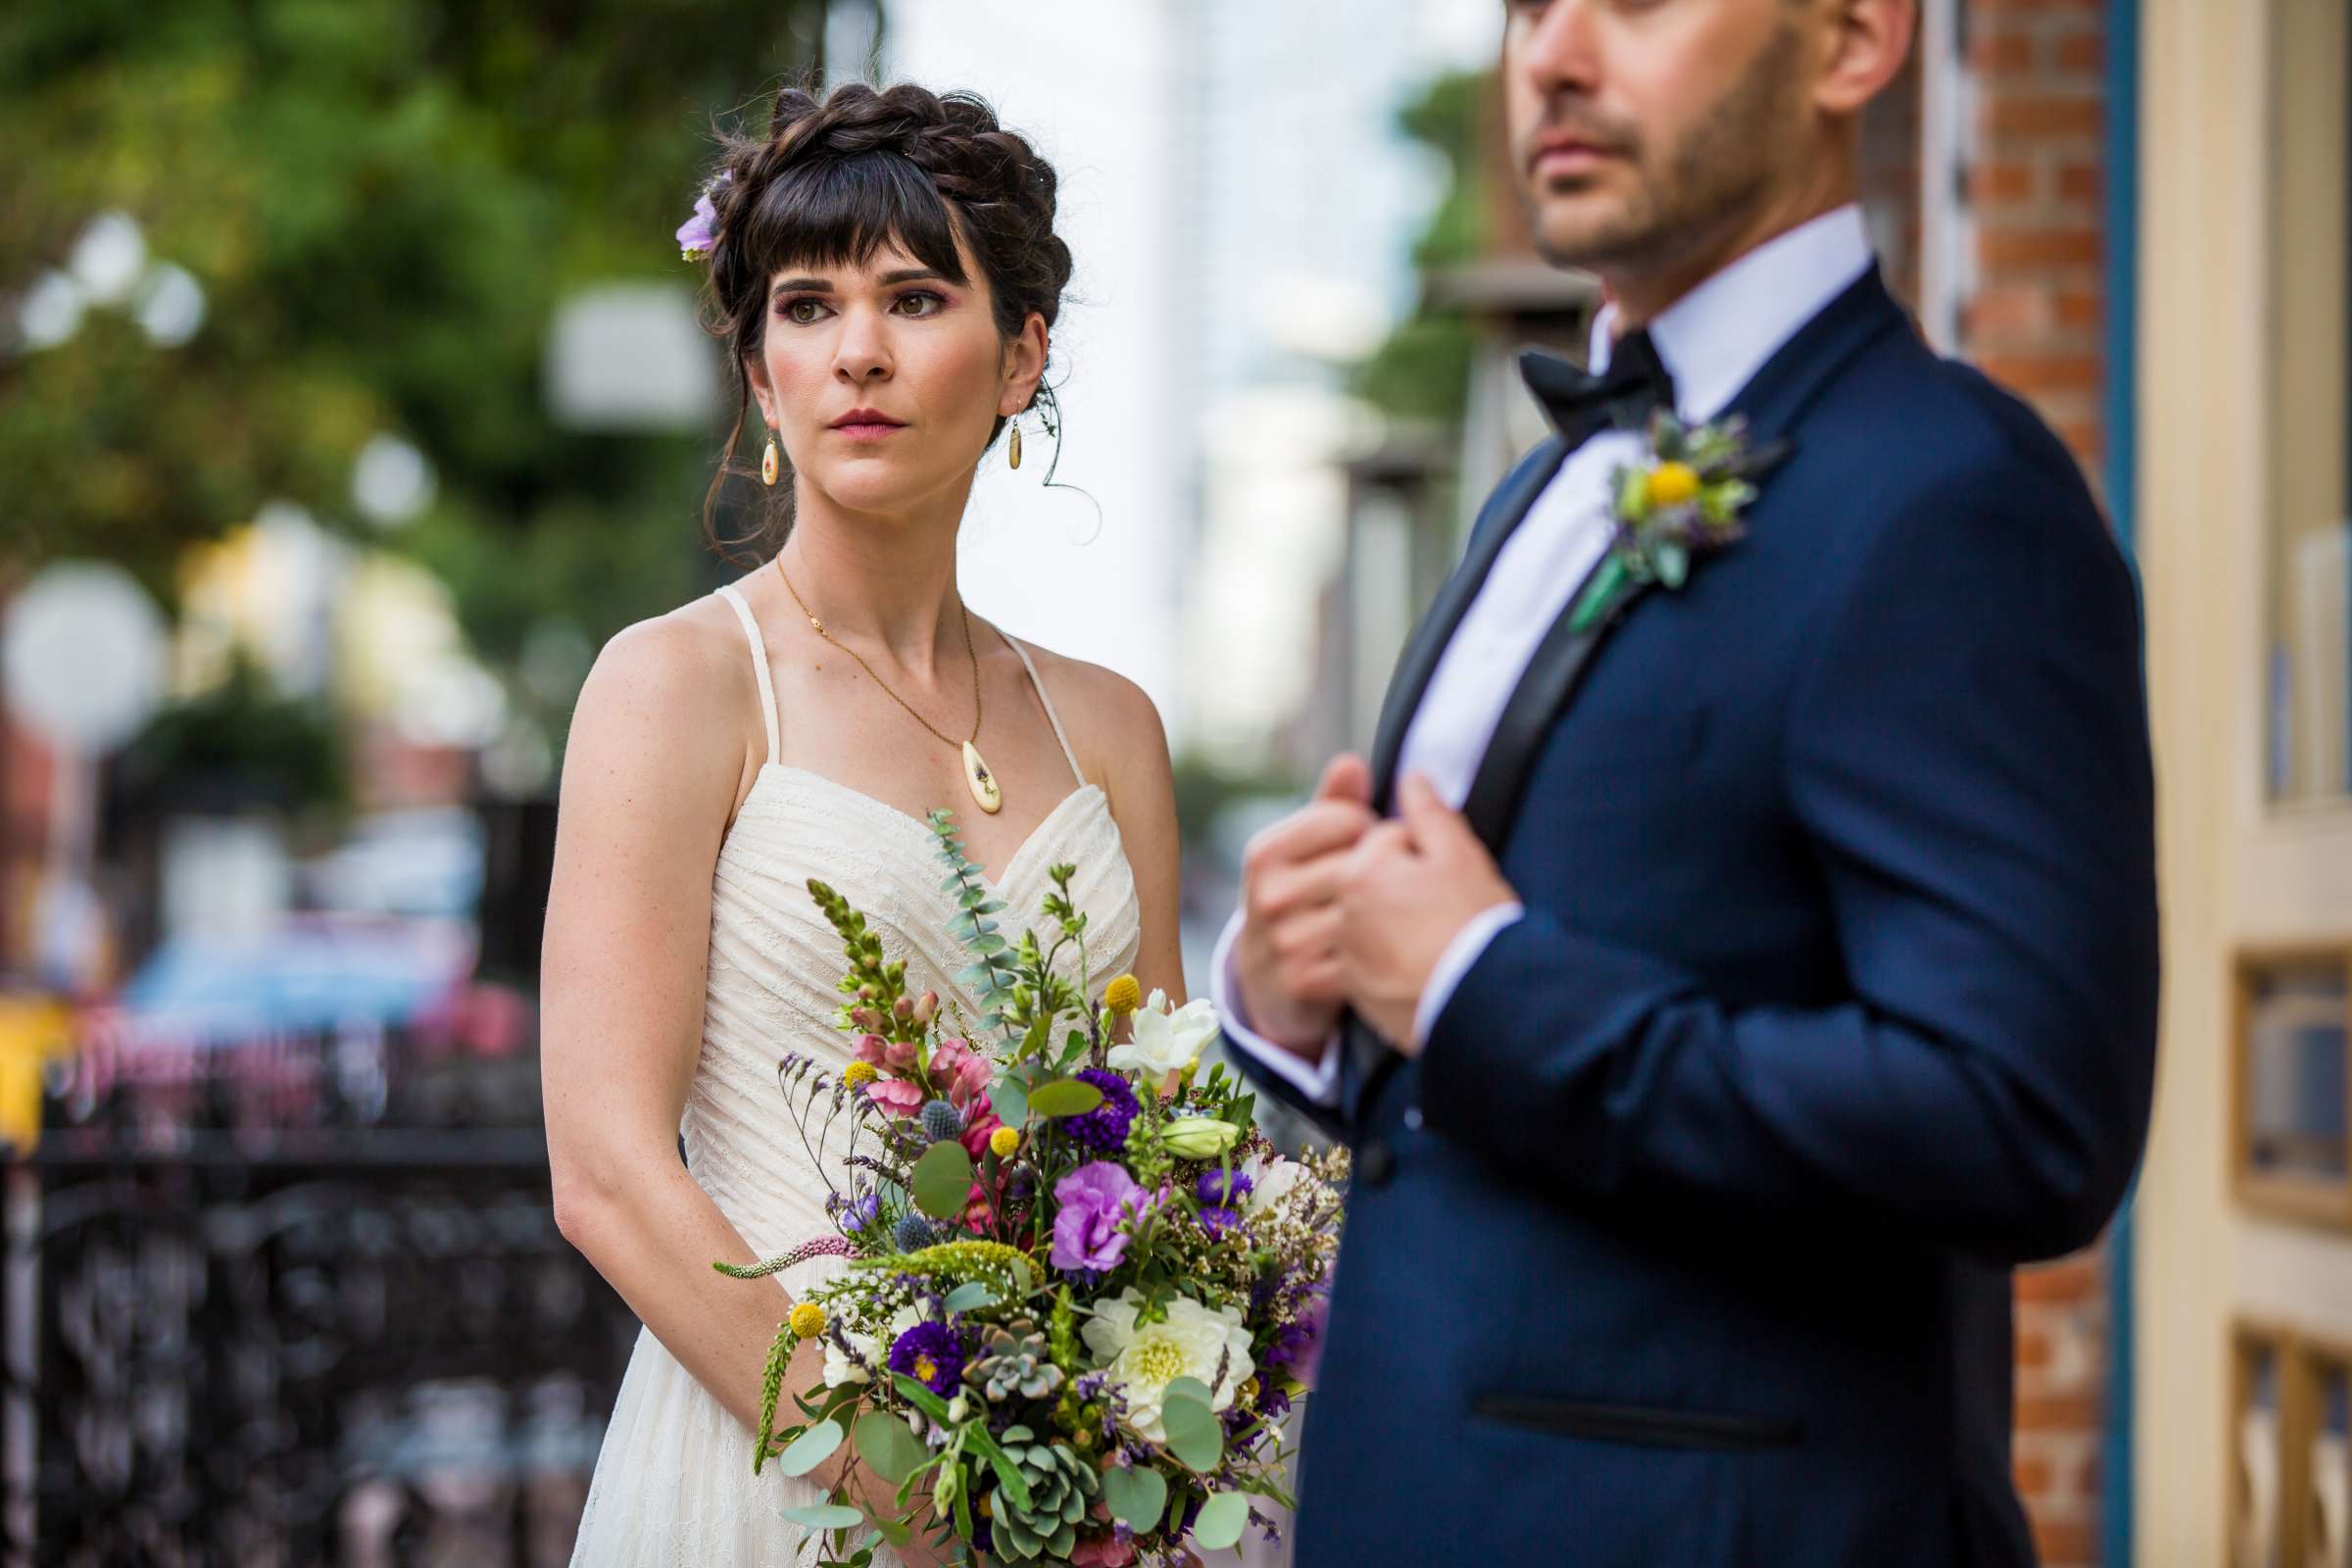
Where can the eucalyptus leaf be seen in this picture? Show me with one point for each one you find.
(888, 1449)
(1009, 1099)
(1674, 564)
(1220, 1521)
(971, 1296)
(812, 1448)
(1194, 1434)
(987, 946)
(943, 1180)
(1063, 1097)
(1134, 1497)
(1189, 1389)
(921, 1397)
(825, 1516)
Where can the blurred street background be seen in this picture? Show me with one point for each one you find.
(351, 398)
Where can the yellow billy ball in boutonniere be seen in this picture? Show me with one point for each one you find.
(1684, 500)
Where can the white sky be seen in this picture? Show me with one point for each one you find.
(1157, 218)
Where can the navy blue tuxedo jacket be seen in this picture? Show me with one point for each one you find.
(1687, 1241)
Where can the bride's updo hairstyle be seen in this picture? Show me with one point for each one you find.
(838, 177)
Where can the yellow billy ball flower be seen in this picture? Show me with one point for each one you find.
(1673, 483)
(808, 1320)
(1124, 996)
(1003, 1141)
(858, 1074)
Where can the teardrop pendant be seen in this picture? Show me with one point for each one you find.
(982, 781)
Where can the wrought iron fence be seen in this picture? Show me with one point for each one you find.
(296, 1303)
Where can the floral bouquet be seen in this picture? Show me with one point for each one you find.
(1082, 1291)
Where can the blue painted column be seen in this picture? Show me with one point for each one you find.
(2116, 1467)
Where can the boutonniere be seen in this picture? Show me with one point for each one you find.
(1683, 500)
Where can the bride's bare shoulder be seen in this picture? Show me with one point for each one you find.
(1112, 722)
(672, 687)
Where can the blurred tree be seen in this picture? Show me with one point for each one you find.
(1422, 370)
(382, 202)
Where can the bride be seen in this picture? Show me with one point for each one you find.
(885, 272)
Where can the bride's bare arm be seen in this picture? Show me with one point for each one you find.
(1123, 729)
(650, 780)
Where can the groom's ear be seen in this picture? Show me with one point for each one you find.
(1867, 44)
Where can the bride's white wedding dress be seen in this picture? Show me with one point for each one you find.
(673, 1484)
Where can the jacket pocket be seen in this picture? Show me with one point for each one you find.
(1643, 1426)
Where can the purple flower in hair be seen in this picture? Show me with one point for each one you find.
(699, 234)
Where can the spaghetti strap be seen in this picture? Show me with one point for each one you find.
(767, 690)
(1051, 717)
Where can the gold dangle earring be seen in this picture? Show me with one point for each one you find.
(772, 461)
(1012, 455)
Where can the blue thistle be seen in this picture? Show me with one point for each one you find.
(941, 1121)
(913, 1234)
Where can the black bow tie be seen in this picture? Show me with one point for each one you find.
(1581, 405)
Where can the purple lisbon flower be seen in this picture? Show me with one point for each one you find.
(1105, 1126)
(1222, 1188)
(929, 1354)
(1089, 1203)
(1218, 1191)
(1298, 1344)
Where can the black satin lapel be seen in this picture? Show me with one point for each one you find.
(1544, 688)
(1505, 510)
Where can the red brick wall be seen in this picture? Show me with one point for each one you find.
(2035, 323)
(2036, 187)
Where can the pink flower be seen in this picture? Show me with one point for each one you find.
(977, 1126)
(960, 1071)
(898, 1055)
(870, 1049)
(896, 1095)
(1104, 1551)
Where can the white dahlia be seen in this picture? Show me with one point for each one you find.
(1143, 1359)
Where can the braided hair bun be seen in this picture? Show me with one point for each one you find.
(839, 176)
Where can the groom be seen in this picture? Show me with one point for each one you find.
(1723, 991)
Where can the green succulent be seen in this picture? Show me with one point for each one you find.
(1014, 1360)
(1061, 1486)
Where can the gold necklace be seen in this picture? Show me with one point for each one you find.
(975, 771)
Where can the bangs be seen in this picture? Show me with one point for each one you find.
(837, 212)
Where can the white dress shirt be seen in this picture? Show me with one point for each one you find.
(1713, 341)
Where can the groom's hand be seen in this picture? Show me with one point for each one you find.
(1287, 959)
(1409, 887)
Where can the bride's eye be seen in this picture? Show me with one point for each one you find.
(918, 303)
(803, 311)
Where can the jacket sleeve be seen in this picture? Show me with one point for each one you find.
(1966, 756)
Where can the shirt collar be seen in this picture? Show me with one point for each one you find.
(1715, 338)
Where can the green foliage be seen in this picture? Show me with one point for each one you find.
(1423, 370)
(992, 975)
(285, 751)
(383, 202)
(942, 1179)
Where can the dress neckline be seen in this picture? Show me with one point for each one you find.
(916, 825)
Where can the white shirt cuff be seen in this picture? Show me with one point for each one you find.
(1456, 962)
(1319, 1082)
